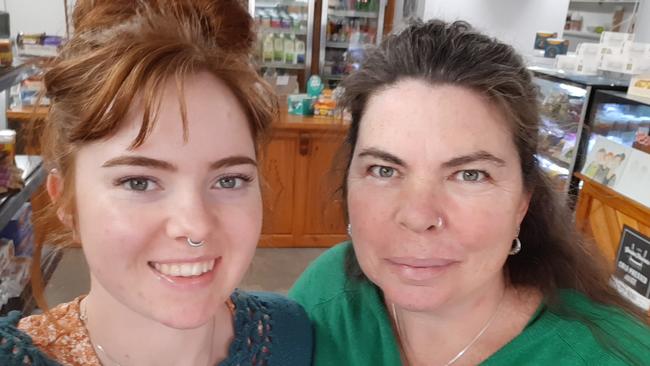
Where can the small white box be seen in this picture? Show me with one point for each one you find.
(615, 38)
(640, 86)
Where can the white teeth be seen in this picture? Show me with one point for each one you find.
(184, 269)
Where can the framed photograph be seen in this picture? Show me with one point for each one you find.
(606, 162)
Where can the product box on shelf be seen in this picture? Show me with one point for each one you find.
(640, 86)
(616, 39)
(20, 231)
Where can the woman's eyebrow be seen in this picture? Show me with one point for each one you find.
(382, 155)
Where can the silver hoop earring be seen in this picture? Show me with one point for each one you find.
(516, 248)
(350, 230)
(194, 244)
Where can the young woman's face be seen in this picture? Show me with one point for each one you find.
(136, 208)
(435, 194)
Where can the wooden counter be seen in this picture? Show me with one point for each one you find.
(27, 114)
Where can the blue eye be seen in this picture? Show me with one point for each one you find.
(381, 171)
(138, 184)
(232, 182)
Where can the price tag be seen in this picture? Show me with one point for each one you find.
(282, 80)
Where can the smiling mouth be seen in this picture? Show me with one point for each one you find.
(183, 269)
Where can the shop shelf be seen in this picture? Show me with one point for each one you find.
(343, 45)
(282, 65)
(579, 34)
(333, 77)
(352, 13)
(265, 30)
(274, 3)
(561, 166)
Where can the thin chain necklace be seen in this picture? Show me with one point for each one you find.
(83, 316)
(462, 351)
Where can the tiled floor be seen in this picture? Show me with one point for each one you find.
(272, 270)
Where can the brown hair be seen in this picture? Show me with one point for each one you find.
(122, 52)
(554, 255)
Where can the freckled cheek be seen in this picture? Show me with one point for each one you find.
(481, 226)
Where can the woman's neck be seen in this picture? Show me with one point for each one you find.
(127, 338)
(493, 316)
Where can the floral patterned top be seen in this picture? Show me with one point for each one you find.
(270, 330)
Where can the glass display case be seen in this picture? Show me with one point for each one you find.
(347, 26)
(285, 35)
(622, 118)
(565, 102)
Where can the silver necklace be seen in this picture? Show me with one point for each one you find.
(83, 316)
(462, 351)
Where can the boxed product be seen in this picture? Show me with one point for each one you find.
(20, 231)
(555, 46)
(640, 86)
(301, 104)
(616, 39)
(541, 37)
(625, 64)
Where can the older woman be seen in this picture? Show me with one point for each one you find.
(152, 139)
(460, 252)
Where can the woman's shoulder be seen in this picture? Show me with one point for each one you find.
(277, 328)
(17, 347)
(324, 279)
(601, 332)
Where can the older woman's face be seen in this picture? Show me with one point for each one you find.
(424, 156)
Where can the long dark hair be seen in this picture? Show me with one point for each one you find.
(554, 255)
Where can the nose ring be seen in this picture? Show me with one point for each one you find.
(438, 224)
(194, 244)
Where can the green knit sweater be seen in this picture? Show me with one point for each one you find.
(269, 330)
(352, 327)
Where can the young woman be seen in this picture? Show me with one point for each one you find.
(152, 140)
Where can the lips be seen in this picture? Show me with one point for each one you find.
(419, 269)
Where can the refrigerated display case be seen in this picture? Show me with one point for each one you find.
(347, 27)
(565, 103)
(285, 36)
(622, 118)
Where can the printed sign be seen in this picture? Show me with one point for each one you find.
(632, 275)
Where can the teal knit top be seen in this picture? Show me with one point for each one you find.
(269, 330)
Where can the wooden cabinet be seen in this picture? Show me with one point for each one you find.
(601, 213)
(302, 205)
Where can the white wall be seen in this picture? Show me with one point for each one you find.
(511, 21)
(642, 32)
(35, 16)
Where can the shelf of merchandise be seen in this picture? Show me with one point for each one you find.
(562, 166)
(282, 65)
(352, 13)
(608, 2)
(580, 34)
(271, 3)
(333, 77)
(266, 30)
(342, 45)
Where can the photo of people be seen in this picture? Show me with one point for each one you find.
(606, 161)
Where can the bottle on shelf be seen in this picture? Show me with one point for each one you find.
(268, 48)
(278, 48)
(299, 48)
(289, 49)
